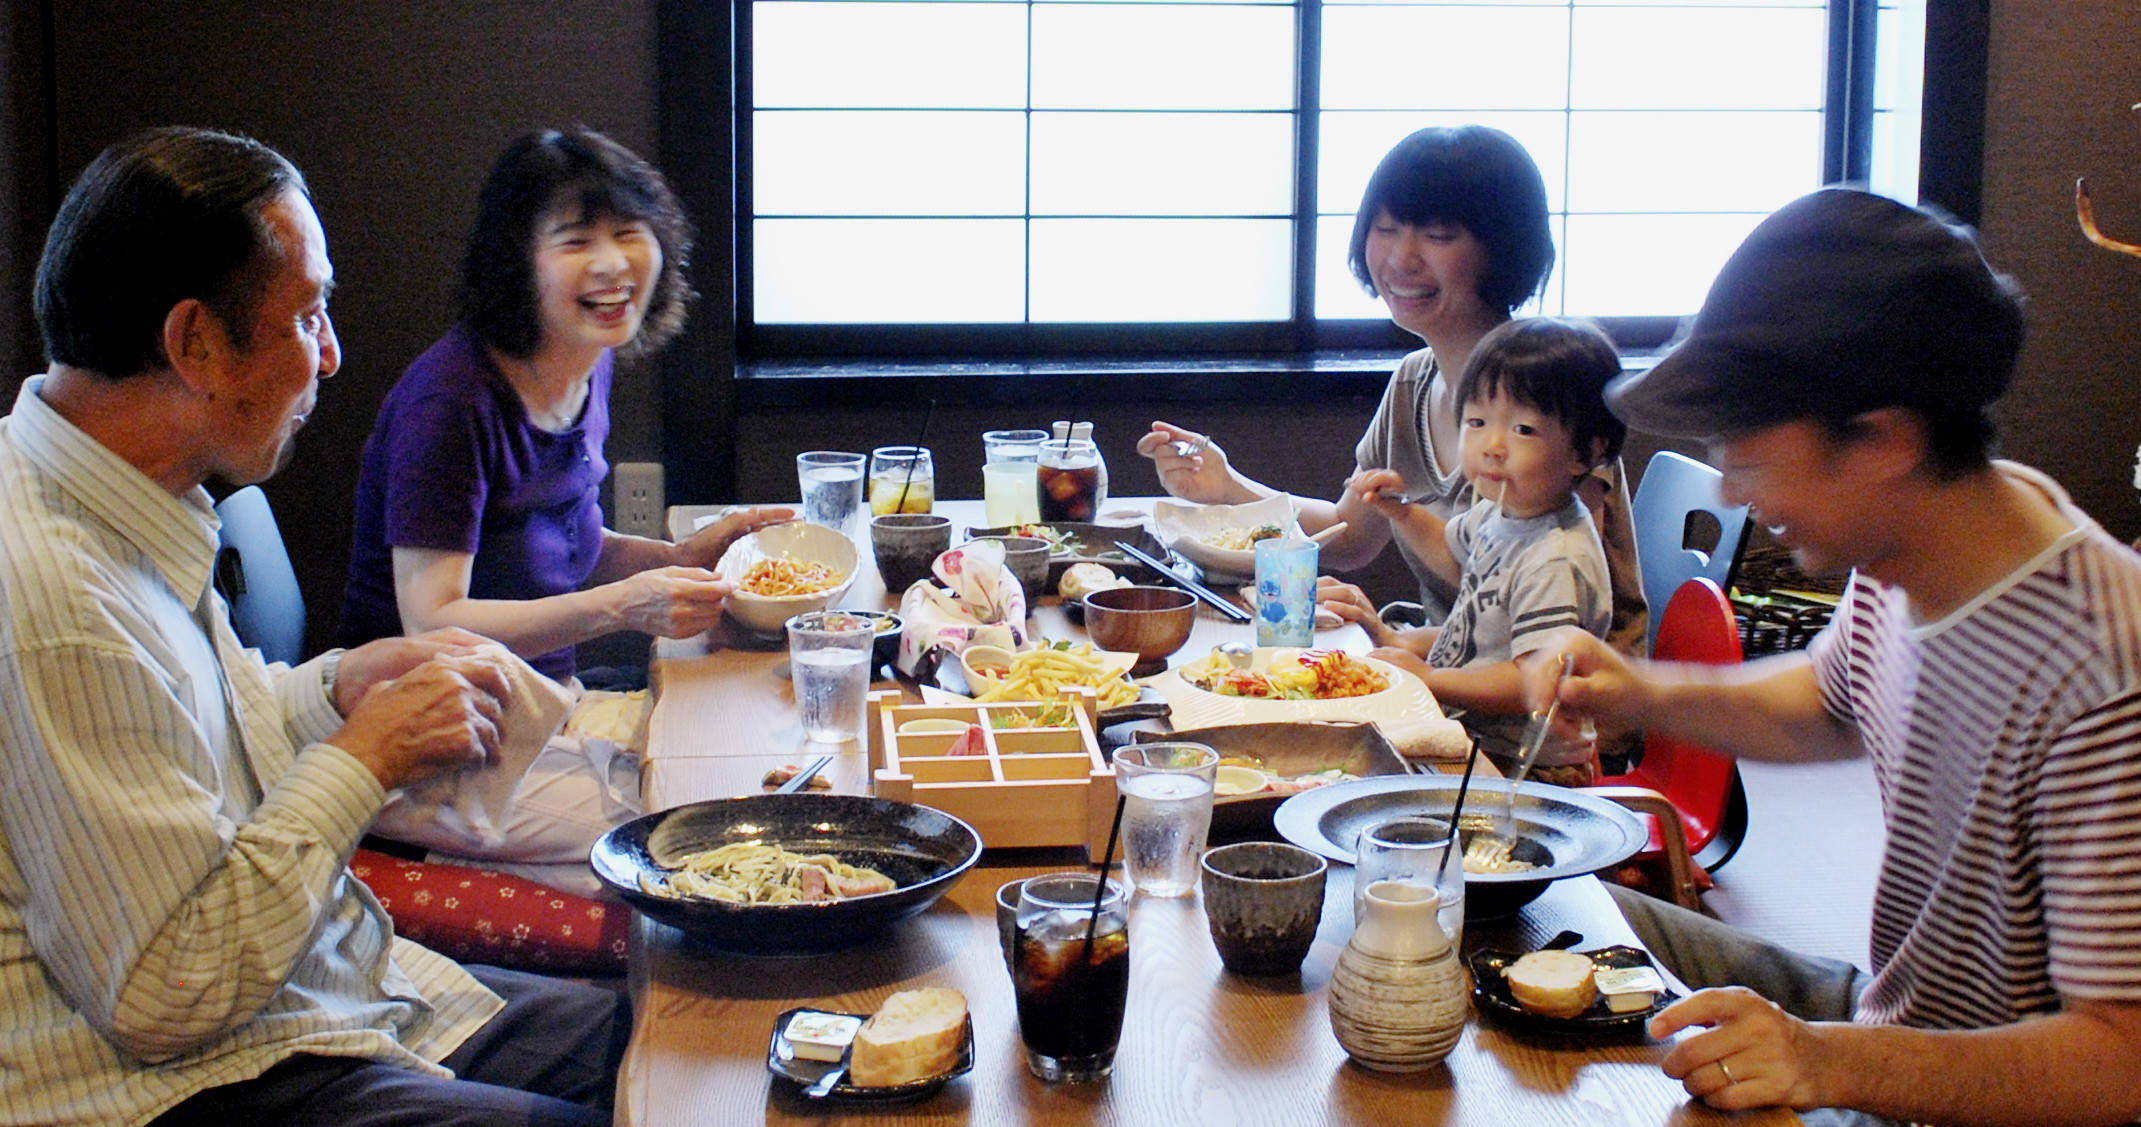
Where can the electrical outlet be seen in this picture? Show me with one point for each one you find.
(638, 495)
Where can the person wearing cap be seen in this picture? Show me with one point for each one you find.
(1986, 657)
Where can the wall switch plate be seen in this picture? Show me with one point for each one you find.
(637, 487)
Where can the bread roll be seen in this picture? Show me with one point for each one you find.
(1559, 984)
(917, 1034)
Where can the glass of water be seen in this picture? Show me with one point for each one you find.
(832, 488)
(1416, 851)
(1010, 483)
(829, 665)
(1167, 811)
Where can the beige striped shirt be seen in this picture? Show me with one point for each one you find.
(176, 909)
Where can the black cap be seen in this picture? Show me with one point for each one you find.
(1842, 302)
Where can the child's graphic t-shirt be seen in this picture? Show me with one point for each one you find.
(1523, 578)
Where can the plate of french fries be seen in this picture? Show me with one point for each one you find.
(1041, 674)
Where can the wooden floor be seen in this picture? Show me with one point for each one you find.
(1805, 875)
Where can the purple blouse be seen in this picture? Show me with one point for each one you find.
(453, 464)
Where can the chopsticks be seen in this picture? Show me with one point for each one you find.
(1225, 606)
(803, 777)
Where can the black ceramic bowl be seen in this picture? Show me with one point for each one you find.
(925, 850)
(889, 626)
(1564, 832)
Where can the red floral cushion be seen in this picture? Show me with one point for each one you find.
(479, 916)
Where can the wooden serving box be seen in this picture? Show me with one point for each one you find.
(1033, 787)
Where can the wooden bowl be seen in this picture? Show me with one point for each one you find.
(1151, 622)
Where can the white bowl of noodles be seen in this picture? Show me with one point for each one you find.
(1218, 538)
(784, 571)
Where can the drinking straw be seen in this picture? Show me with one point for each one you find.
(1100, 890)
(1457, 811)
(901, 507)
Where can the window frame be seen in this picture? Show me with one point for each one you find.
(1847, 115)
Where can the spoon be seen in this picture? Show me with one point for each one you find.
(1326, 534)
(1238, 654)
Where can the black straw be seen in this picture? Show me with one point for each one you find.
(901, 507)
(1457, 811)
(1092, 922)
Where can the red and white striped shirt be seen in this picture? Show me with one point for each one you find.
(2006, 739)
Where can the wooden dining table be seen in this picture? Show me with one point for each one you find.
(1200, 1046)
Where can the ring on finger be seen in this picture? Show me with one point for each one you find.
(1727, 1070)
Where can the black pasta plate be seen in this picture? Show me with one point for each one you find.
(923, 849)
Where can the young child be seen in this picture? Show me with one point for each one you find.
(1526, 557)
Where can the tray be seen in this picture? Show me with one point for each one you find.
(1094, 543)
(781, 1061)
(1490, 992)
(1029, 787)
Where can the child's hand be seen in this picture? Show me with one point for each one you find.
(1403, 658)
(1380, 490)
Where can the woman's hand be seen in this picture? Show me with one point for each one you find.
(1353, 605)
(1203, 477)
(672, 602)
(705, 547)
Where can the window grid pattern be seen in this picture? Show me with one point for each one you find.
(1046, 208)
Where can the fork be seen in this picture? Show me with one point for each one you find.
(1185, 449)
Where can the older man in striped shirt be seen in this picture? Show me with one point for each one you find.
(180, 937)
(1986, 657)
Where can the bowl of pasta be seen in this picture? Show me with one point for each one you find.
(784, 571)
(786, 874)
(1221, 539)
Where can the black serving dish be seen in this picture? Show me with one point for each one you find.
(781, 1061)
(925, 850)
(1490, 992)
(1090, 543)
(1290, 748)
(1564, 832)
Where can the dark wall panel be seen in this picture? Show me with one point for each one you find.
(394, 111)
(2062, 79)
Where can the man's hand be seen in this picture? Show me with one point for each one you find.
(705, 547)
(388, 658)
(1202, 477)
(1603, 687)
(439, 717)
(1751, 1054)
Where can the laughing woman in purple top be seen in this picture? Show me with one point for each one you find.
(478, 504)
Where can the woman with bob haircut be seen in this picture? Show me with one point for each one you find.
(1452, 235)
(478, 503)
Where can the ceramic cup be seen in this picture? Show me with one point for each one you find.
(906, 545)
(1026, 557)
(1263, 901)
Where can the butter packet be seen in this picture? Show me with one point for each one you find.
(821, 1036)
(1629, 989)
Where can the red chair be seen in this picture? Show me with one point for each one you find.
(1694, 797)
